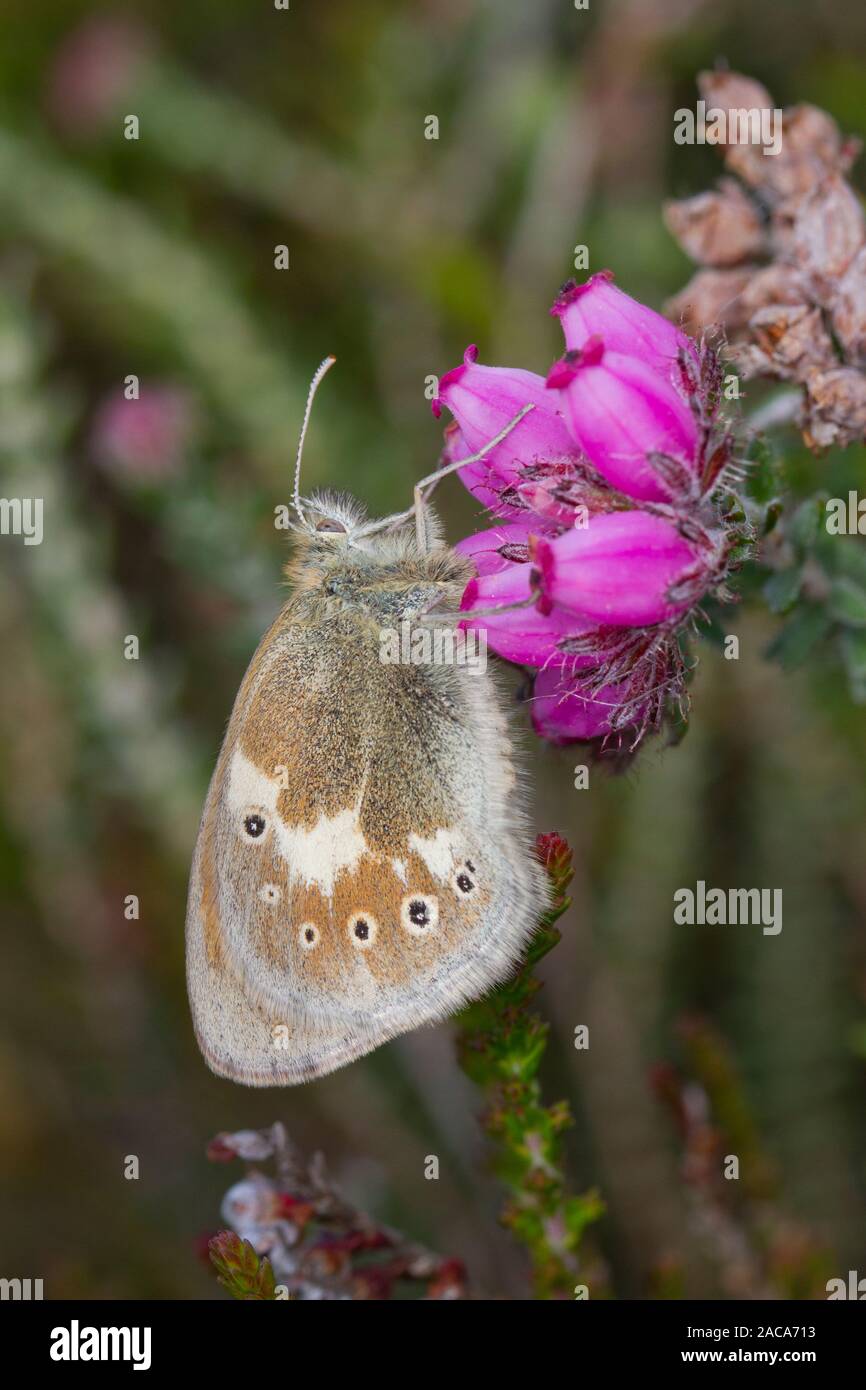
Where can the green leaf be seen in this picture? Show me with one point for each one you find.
(501, 1043)
(582, 1211)
(804, 527)
(782, 589)
(794, 642)
(853, 645)
(763, 477)
(847, 602)
(846, 557)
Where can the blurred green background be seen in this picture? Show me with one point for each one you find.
(155, 257)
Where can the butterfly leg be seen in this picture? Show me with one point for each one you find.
(433, 478)
(388, 523)
(445, 615)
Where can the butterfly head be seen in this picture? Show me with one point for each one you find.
(331, 522)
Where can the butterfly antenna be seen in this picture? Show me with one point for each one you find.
(322, 368)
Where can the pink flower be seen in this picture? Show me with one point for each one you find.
(564, 711)
(627, 569)
(488, 487)
(619, 507)
(96, 65)
(622, 413)
(495, 550)
(146, 438)
(482, 401)
(523, 635)
(598, 309)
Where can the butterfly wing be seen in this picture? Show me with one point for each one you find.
(362, 865)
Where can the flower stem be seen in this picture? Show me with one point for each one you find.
(500, 1045)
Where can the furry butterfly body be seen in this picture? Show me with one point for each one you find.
(362, 866)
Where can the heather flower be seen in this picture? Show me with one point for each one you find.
(622, 412)
(599, 309)
(316, 1242)
(499, 548)
(615, 495)
(482, 401)
(565, 712)
(519, 631)
(628, 569)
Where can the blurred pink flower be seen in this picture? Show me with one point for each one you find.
(92, 70)
(144, 439)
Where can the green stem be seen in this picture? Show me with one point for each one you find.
(501, 1043)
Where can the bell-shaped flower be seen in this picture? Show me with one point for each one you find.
(496, 549)
(598, 309)
(621, 413)
(565, 710)
(625, 569)
(482, 401)
(513, 624)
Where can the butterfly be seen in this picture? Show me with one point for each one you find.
(363, 864)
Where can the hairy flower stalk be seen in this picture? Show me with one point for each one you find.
(618, 510)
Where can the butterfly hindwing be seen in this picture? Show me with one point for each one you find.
(362, 864)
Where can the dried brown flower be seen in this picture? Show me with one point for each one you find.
(782, 254)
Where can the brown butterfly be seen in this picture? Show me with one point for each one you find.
(363, 864)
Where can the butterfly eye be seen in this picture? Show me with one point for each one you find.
(362, 930)
(419, 913)
(464, 882)
(255, 825)
(329, 523)
(308, 935)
